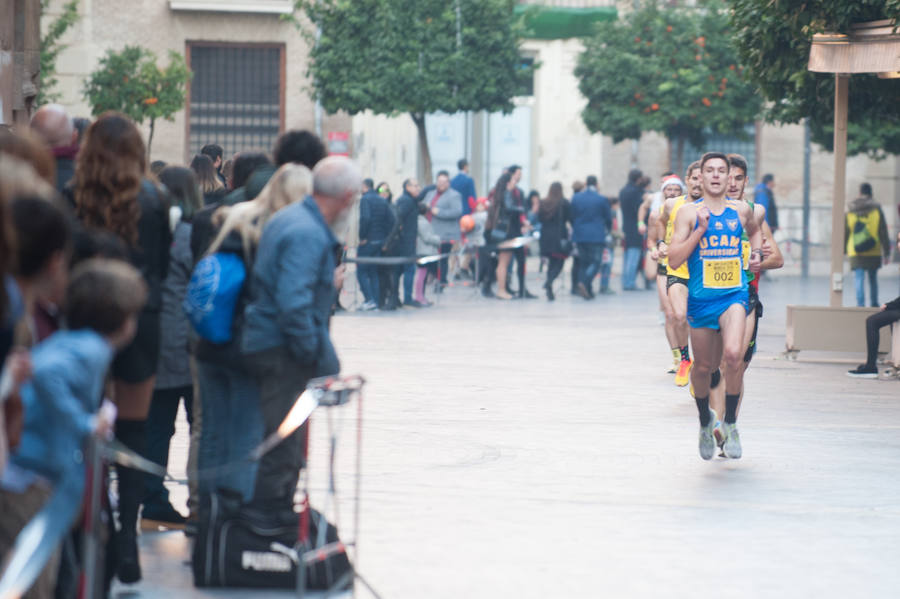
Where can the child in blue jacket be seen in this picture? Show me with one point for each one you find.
(62, 409)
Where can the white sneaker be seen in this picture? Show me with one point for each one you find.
(707, 440)
(368, 306)
(732, 445)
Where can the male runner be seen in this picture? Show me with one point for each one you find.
(676, 280)
(676, 332)
(772, 259)
(708, 237)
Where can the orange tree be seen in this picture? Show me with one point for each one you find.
(774, 39)
(130, 82)
(674, 71)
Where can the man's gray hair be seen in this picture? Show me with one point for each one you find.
(334, 176)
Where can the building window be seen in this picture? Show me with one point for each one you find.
(527, 87)
(727, 144)
(237, 96)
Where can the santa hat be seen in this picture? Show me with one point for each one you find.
(672, 180)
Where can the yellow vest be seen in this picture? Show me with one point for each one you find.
(859, 225)
(682, 271)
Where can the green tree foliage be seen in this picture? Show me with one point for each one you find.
(414, 56)
(132, 83)
(50, 49)
(673, 71)
(774, 38)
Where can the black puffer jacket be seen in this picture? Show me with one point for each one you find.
(376, 218)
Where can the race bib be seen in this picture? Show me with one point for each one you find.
(722, 274)
(745, 252)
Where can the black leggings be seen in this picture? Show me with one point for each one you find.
(554, 267)
(873, 324)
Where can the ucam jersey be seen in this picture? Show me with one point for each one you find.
(717, 264)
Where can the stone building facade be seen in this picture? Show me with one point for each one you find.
(249, 68)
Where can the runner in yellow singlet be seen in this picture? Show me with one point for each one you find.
(675, 283)
(671, 188)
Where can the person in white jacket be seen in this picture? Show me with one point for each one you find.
(428, 243)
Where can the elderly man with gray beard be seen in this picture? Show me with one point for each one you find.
(286, 339)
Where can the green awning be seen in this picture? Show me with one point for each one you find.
(557, 22)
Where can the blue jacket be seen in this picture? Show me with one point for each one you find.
(591, 217)
(465, 185)
(376, 218)
(292, 289)
(60, 401)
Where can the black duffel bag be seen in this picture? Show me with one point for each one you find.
(242, 546)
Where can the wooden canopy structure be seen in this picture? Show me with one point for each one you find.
(872, 47)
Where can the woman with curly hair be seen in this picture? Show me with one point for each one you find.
(112, 193)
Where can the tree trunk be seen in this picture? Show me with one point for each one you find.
(425, 152)
(150, 139)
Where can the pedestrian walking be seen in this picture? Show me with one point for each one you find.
(554, 214)
(591, 223)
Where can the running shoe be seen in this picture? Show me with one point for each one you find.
(732, 445)
(683, 376)
(864, 372)
(719, 434)
(707, 441)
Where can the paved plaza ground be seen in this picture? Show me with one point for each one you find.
(529, 449)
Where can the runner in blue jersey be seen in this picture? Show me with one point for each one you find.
(707, 236)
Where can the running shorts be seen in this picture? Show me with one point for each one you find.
(755, 307)
(704, 314)
(673, 280)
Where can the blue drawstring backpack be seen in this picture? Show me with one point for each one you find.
(212, 295)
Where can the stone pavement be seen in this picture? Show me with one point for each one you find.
(529, 450)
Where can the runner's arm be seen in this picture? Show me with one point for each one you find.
(643, 209)
(772, 257)
(653, 237)
(662, 222)
(754, 234)
(685, 235)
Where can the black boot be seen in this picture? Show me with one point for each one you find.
(132, 434)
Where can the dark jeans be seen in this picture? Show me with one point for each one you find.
(408, 272)
(444, 248)
(590, 256)
(606, 269)
(873, 324)
(160, 429)
(554, 267)
(367, 274)
(232, 427)
(279, 470)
